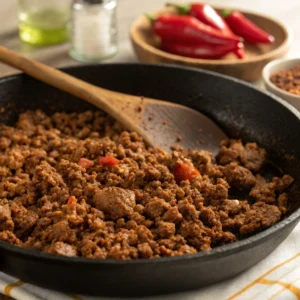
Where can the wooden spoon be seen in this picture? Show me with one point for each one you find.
(160, 123)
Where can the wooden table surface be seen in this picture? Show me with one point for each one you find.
(287, 12)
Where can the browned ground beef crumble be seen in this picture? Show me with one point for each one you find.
(134, 209)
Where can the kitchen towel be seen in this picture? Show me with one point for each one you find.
(277, 277)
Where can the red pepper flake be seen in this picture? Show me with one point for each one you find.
(108, 161)
(185, 171)
(72, 200)
(85, 163)
(288, 80)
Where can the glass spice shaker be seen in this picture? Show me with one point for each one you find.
(93, 30)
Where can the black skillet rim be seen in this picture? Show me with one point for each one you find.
(210, 255)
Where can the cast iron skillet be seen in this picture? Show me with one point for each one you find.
(240, 109)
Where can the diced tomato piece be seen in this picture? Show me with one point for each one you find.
(185, 171)
(85, 163)
(108, 161)
(72, 200)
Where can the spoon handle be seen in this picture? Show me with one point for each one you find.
(122, 107)
(49, 75)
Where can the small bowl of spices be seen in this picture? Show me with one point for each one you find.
(282, 78)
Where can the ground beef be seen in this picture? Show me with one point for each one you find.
(250, 155)
(239, 177)
(115, 202)
(24, 219)
(62, 249)
(260, 216)
(6, 222)
(264, 192)
(80, 185)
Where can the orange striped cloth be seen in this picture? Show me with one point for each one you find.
(277, 277)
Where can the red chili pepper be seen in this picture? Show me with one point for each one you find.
(72, 200)
(188, 29)
(207, 14)
(85, 163)
(108, 161)
(185, 171)
(243, 27)
(205, 51)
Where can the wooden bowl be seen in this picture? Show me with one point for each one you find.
(146, 46)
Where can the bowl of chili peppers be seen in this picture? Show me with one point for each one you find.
(232, 42)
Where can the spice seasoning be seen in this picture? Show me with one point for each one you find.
(288, 80)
